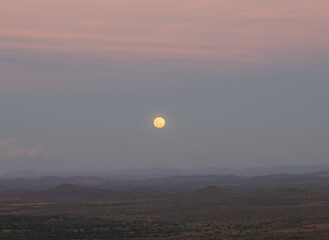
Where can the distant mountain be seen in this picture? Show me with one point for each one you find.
(321, 173)
(293, 169)
(174, 183)
(166, 172)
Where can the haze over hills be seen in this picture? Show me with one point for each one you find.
(292, 203)
(161, 172)
(316, 181)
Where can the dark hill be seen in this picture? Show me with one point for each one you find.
(321, 174)
(69, 192)
(212, 190)
(14, 195)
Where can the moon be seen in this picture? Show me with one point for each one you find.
(159, 122)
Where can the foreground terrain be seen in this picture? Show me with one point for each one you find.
(81, 212)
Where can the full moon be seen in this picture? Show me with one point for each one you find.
(159, 122)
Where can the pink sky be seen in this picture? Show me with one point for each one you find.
(240, 83)
(249, 31)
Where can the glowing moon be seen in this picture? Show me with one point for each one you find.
(159, 122)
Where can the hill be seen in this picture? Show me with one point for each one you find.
(166, 172)
(69, 192)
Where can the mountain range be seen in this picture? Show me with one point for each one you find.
(161, 172)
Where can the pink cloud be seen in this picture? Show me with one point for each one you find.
(9, 148)
(58, 43)
(210, 30)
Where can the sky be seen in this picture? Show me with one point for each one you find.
(241, 83)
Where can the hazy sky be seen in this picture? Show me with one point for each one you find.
(240, 82)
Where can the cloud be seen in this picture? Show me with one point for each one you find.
(123, 43)
(9, 148)
(241, 31)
